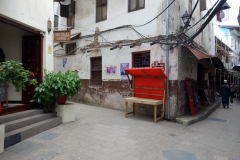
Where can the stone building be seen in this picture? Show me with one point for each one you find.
(99, 50)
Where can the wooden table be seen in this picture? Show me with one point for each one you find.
(145, 101)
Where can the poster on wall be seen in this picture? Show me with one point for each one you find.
(239, 56)
(109, 70)
(156, 64)
(122, 72)
(64, 62)
(113, 69)
(49, 49)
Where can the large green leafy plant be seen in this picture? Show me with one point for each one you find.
(12, 72)
(55, 85)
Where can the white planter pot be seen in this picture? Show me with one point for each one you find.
(66, 111)
(2, 135)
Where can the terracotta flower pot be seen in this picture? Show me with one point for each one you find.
(62, 100)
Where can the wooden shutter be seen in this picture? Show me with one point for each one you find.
(141, 4)
(72, 9)
(203, 5)
(101, 12)
(104, 2)
(98, 14)
(56, 22)
(132, 5)
(104, 12)
(189, 6)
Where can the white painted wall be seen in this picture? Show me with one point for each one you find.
(33, 14)
(81, 62)
(118, 15)
(11, 44)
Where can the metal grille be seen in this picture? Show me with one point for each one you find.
(96, 71)
(70, 48)
(141, 60)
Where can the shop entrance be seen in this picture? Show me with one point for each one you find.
(23, 45)
(31, 59)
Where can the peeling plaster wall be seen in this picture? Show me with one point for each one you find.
(115, 89)
(111, 95)
(187, 69)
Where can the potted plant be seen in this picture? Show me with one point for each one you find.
(54, 87)
(12, 72)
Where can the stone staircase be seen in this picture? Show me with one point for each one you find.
(22, 125)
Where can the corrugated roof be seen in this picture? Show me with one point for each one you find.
(200, 54)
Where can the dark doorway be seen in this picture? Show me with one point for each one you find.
(32, 61)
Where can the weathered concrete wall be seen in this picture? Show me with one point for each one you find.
(187, 65)
(115, 89)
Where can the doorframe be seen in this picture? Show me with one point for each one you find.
(41, 58)
(18, 25)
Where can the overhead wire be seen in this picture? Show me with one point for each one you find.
(179, 39)
(156, 16)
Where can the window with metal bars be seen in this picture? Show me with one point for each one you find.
(134, 5)
(141, 59)
(101, 13)
(96, 71)
(71, 48)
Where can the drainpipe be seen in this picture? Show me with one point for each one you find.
(167, 61)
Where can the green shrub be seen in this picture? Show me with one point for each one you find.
(55, 85)
(12, 72)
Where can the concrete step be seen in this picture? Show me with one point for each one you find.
(19, 115)
(20, 123)
(16, 136)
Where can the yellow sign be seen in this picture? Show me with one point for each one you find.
(49, 49)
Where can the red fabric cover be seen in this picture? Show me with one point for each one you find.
(148, 82)
(148, 71)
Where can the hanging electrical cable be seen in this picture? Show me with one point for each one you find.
(156, 16)
(175, 39)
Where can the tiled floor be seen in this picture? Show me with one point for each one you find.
(105, 134)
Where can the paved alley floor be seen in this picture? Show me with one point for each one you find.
(105, 134)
